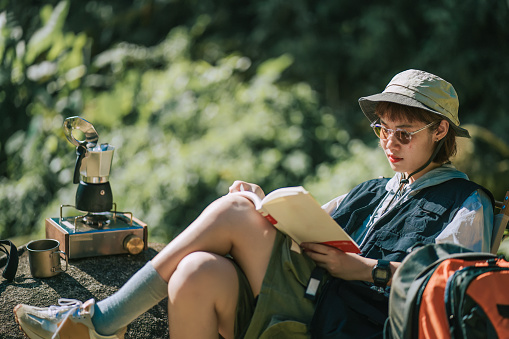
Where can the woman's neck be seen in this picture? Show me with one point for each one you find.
(419, 174)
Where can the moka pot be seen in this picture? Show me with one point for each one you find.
(92, 169)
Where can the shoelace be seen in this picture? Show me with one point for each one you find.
(71, 306)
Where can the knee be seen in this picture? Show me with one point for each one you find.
(191, 270)
(233, 202)
(237, 210)
(197, 274)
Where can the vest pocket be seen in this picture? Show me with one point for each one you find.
(395, 247)
(433, 207)
(424, 213)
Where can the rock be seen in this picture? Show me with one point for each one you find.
(96, 277)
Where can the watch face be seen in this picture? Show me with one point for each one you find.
(381, 274)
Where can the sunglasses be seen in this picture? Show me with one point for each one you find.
(401, 135)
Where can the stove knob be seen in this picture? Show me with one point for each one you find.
(133, 244)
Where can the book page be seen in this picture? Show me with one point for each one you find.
(284, 192)
(296, 213)
(301, 217)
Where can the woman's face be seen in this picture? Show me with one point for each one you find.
(406, 158)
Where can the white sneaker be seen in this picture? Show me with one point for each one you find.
(72, 319)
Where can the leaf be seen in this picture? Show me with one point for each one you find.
(271, 69)
(45, 36)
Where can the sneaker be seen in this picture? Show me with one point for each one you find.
(72, 319)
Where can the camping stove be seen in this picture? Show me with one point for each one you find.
(99, 229)
(96, 234)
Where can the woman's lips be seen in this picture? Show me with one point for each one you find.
(394, 159)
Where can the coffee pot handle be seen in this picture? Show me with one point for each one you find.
(81, 151)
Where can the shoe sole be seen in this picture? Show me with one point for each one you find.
(30, 335)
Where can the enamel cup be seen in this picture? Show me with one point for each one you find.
(44, 257)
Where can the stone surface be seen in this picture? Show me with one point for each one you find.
(96, 277)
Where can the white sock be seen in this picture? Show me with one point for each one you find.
(141, 292)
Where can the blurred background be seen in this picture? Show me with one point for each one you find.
(196, 94)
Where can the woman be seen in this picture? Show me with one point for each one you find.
(260, 293)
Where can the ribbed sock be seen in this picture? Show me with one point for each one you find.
(140, 293)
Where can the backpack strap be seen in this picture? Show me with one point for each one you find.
(10, 269)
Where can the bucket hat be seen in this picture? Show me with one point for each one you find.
(422, 90)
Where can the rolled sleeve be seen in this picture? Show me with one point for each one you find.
(333, 205)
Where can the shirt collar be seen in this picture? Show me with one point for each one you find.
(433, 177)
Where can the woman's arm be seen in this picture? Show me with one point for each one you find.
(472, 225)
(347, 266)
(333, 205)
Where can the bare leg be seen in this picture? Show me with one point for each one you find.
(205, 288)
(202, 297)
(228, 225)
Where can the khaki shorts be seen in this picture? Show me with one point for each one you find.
(281, 310)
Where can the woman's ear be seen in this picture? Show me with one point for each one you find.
(441, 130)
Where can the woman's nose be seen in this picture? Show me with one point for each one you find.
(391, 140)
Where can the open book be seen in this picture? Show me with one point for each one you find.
(296, 213)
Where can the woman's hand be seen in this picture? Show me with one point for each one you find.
(347, 266)
(239, 185)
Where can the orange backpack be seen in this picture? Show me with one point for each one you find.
(449, 292)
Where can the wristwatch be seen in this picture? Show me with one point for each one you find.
(381, 273)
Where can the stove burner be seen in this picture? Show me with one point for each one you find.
(96, 220)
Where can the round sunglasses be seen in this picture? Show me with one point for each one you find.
(401, 135)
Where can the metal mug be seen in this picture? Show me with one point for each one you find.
(44, 257)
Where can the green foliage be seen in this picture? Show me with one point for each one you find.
(484, 148)
(199, 127)
(362, 162)
(197, 94)
(183, 132)
(49, 34)
(345, 50)
(37, 81)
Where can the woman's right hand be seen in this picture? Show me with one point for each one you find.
(240, 185)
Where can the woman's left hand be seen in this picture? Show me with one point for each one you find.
(239, 185)
(347, 266)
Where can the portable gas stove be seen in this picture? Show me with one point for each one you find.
(99, 230)
(98, 234)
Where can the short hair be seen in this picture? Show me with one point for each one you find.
(393, 111)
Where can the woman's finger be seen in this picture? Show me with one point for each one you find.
(318, 248)
(239, 185)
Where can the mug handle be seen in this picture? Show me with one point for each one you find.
(66, 261)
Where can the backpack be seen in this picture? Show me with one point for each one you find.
(448, 291)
